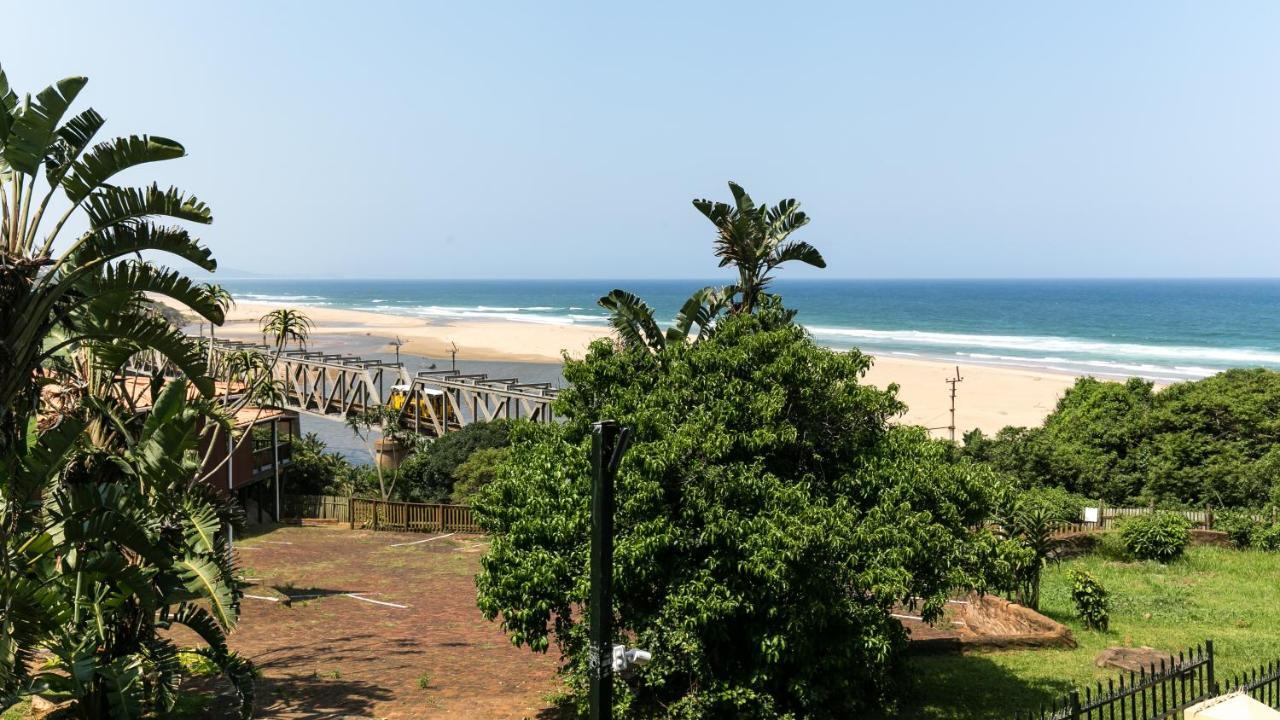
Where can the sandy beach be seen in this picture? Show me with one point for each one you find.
(989, 397)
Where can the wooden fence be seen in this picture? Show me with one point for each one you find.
(411, 517)
(1110, 518)
(1164, 690)
(381, 515)
(316, 507)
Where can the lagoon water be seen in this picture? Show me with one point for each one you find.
(1158, 329)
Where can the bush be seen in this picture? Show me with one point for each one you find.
(1092, 603)
(1212, 440)
(313, 470)
(1239, 525)
(1266, 537)
(427, 476)
(478, 471)
(1162, 535)
(768, 518)
(1059, 503)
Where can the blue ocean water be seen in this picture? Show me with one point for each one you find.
(1159, 329)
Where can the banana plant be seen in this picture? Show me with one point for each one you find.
(633, 320)
(105, 533)
(93, 288)
(754, 240)
(126, 545)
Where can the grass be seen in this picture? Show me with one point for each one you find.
(1223, 594)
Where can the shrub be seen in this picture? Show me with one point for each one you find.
(1239, 525)
(768, 518)
(478, 471)
(1211, 440)
(1162, 535)
(1266, 537)
(1059, 503)
(428, 474)
(1092, 604)
(313, 470)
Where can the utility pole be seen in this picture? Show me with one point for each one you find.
(952, 382)
(397, 343)
(453, 355)
(608, 442)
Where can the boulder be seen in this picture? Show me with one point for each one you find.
(1133, 659)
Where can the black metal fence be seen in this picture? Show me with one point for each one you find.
(1262, 684)
(1163, 690)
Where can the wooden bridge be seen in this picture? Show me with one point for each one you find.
(337, 385)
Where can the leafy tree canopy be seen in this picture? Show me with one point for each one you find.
(1212, 441)
(768, 519)
(428, 475)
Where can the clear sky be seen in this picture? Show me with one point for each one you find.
(485, 139)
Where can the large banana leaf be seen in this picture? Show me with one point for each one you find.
(73, 137)
(128, 279)
(122, 336)
(112, 205)
(111, 157)
(120, 240)
(205, 579)
(35, 124)
(632, 318)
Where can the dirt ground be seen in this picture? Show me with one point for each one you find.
(421, 649)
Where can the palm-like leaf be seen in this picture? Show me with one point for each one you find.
(204, 579)
(35, 124)
(105, 523)
(632, 319)
(112, 205)
(128, 279)
(107, 159)
(120, 337)
(753, 239)
(284, 325)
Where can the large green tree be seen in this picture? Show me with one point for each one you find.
(1211, 441)
(769, 518)
(106, 535)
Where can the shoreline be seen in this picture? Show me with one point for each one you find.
(989, 398)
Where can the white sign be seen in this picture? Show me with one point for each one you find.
(1091, 514)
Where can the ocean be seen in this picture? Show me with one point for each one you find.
(1165, 330)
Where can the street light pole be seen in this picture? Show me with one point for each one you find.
(608, 443)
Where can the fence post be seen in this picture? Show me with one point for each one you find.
(351, 512)
(1075, 705)
(1213, 683)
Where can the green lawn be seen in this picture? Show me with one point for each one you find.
(1231, 596)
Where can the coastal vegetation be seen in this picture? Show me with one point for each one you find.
(769, 513)
(1211, 442)
(447, 469)
(107, 539)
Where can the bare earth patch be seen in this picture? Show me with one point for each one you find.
(410, 644)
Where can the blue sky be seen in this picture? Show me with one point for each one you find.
(488, 139)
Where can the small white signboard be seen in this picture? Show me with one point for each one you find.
(1091, 514)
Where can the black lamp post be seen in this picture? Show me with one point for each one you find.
(608, 442)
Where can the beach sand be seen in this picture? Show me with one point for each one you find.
(989, 398)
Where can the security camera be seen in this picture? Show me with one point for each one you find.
(625, 661)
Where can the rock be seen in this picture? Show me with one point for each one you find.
(1133, 659)
(42, 708)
